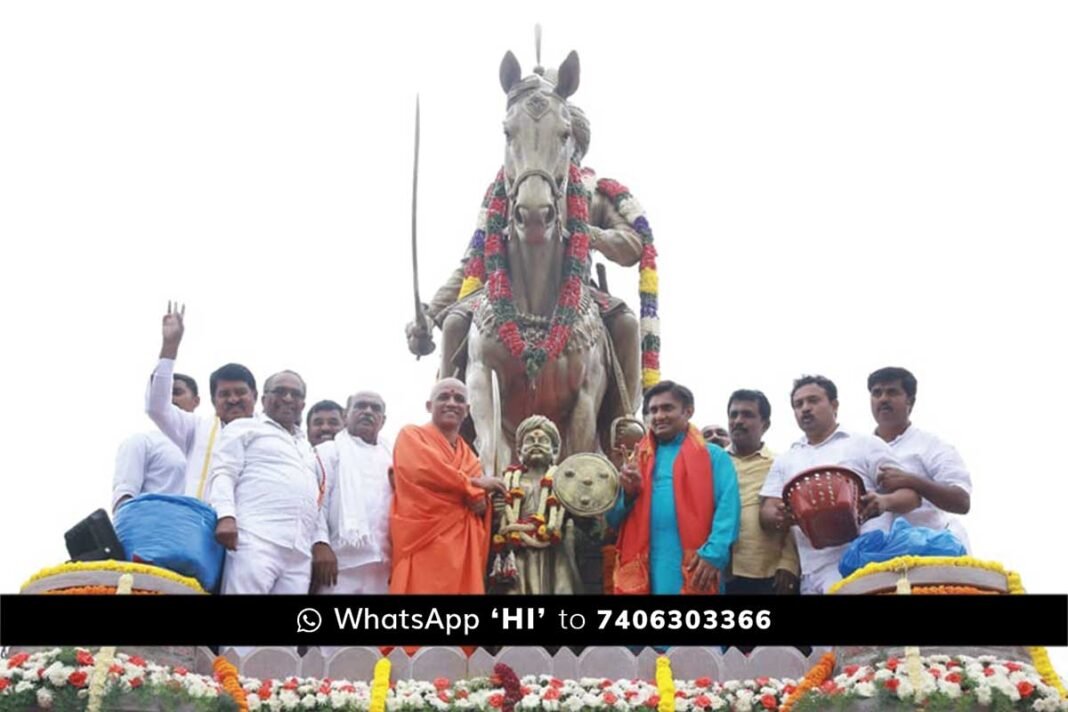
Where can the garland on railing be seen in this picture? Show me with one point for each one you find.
(815, 677)
(665, 685)
(226, 675)
(380, 686)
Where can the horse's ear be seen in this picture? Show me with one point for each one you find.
(567, 80)
(510, 71)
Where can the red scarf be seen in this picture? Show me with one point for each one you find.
(694, 509)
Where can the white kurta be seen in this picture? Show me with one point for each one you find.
(265, 477)
(147, 463)
(862, 453)
(922, 453)
(363, 568)
(196, 436)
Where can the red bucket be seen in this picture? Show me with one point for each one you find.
(825, 503)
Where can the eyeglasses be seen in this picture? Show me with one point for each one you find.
(282, 392)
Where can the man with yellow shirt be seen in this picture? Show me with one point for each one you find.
(761, 562)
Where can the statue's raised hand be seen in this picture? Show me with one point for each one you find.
(173, 328)
(420, 339)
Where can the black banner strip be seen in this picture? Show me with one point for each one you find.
(534, 620)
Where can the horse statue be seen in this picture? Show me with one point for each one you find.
(535, 324)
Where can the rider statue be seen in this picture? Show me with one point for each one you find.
(609, 233)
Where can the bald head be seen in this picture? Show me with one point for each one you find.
(448, 406)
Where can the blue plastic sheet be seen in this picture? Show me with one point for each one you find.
(172, 532)
(902, 540)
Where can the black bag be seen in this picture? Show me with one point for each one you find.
(94, 539)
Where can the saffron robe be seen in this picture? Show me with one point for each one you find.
(439, 545)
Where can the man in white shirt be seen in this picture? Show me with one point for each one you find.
(150, 462)
(233, 393)
(358, 496)
(815, 403)
(268, 495)
(928, 465)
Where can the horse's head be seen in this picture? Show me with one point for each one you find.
(539, 146)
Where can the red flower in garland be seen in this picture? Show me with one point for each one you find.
(989, 672)
(475, 267)
(769, 702)
(953, 677)
(264, 693)
(828, 687)
(77, 678)
(576, 205)
(496, 700)
(498, 205)
(892, 684)
(494, 245)
(116, 669)
(851, 670)
(136, 682)
(553, 693)
(610, 698)
(139, 662)
(1025, 688)
(84, 657)
(613, 189)
(653, 702)
(17, 660)
(705, 682)
(891, 663)
(181, 671)
(291, 684)
(3, 683)
(1013, 667)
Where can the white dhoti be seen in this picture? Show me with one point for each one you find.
(261, 567)
(368, 579)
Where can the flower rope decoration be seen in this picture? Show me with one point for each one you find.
(665, 685)
(105, 656)
(648, 279)
(125, 567)
(813, 679)
(485, 264)
(513, 690)
(380, 685)
(226, 674)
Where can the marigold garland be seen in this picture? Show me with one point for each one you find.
(95, 591)
(380, 685)
(813, 678)
(947, 590)
(904, 563)
(226, 674)
(120, 567)
(665, 685)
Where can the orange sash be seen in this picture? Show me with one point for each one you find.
(694, 508)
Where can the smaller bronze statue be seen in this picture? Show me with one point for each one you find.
(534, 544)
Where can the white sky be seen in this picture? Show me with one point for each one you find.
(833, 187)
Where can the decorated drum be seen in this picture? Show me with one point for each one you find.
(825, 503)
(586, 483)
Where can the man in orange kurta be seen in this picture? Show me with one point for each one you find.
(440, 518)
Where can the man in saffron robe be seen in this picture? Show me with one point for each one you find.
(678, 510)
(440, 519)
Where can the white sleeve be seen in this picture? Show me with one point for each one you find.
(775, 480)
(947, 467)
(226, 465)
(130, 465)
(172, 421)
